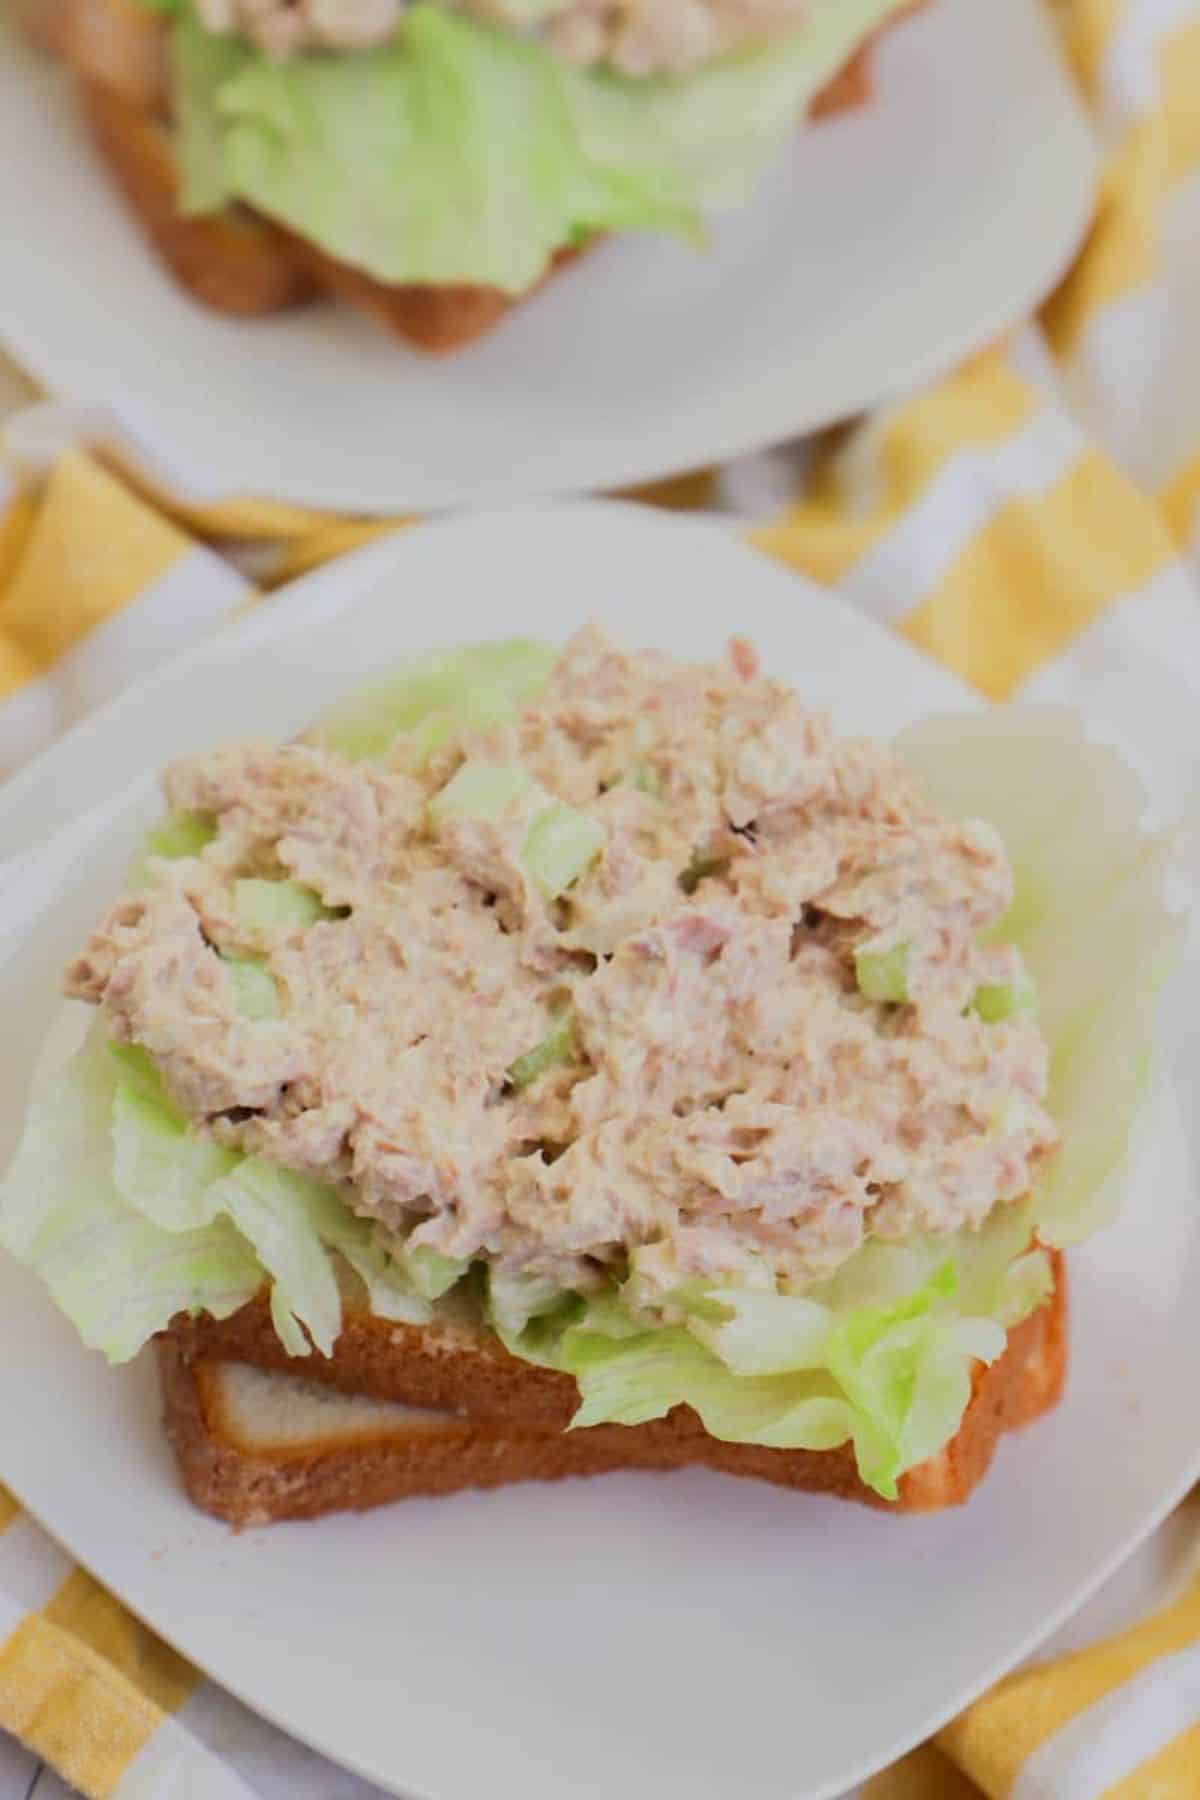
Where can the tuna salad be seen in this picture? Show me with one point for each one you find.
(643, 37)
(656, 976)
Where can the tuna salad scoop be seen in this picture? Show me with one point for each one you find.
(617, 1006)
(659, 976)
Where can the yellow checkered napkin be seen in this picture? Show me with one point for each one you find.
(1033, 521)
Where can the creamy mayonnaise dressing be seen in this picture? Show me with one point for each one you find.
(731, 1103)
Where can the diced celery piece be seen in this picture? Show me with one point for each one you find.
(558, 1046)
(485, 791)
(883, 975)
(263, 905)
(254, 987)
(646, 780)
(699, 869)
(562, 842)
(559, 842)
(1006, 1000)
(181, 834)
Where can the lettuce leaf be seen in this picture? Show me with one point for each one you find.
(176, 1177)
(463, 151)
(881, 1353)
(1089, 917)
(131, 1217)
(431, 1273)
(116, 1272)
(783, 1370)
(429, 698)
(513, 1300)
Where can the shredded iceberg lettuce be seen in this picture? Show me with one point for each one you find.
(1089, 918)
(131, 1217)
(881, 1354)
(429, 698)
(116, 1272)
(431, 1273)
(465, 151)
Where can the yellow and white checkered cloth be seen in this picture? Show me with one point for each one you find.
(1034, 522)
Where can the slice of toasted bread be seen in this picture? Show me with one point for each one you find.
(432, 318)
(43, 22)
(120, 46)
(400, 1410)
(235, 262)
(231, 261)
(254, 1447)
(849, 89)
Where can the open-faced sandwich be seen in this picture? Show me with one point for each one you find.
(434, 160)
(576, 1061)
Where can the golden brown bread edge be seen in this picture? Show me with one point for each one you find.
(506, 1421)
(238, 262)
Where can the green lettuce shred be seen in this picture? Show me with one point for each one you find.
(131, 1217)
(464, 151)
(117, 1273)
(431, 1273)
(430, 699)
(881, 1354)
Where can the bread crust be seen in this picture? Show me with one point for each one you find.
(435, 319)
(505, 1421)
(117, 45)
(247, 1487)
(232, 262)
(237, 262)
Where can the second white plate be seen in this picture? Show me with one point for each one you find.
(888, 244)
(689, 1637)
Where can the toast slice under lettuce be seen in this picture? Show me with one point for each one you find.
(403, 1410)
(237, 261)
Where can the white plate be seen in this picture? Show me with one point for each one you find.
(887, 245)
(692, 1636)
